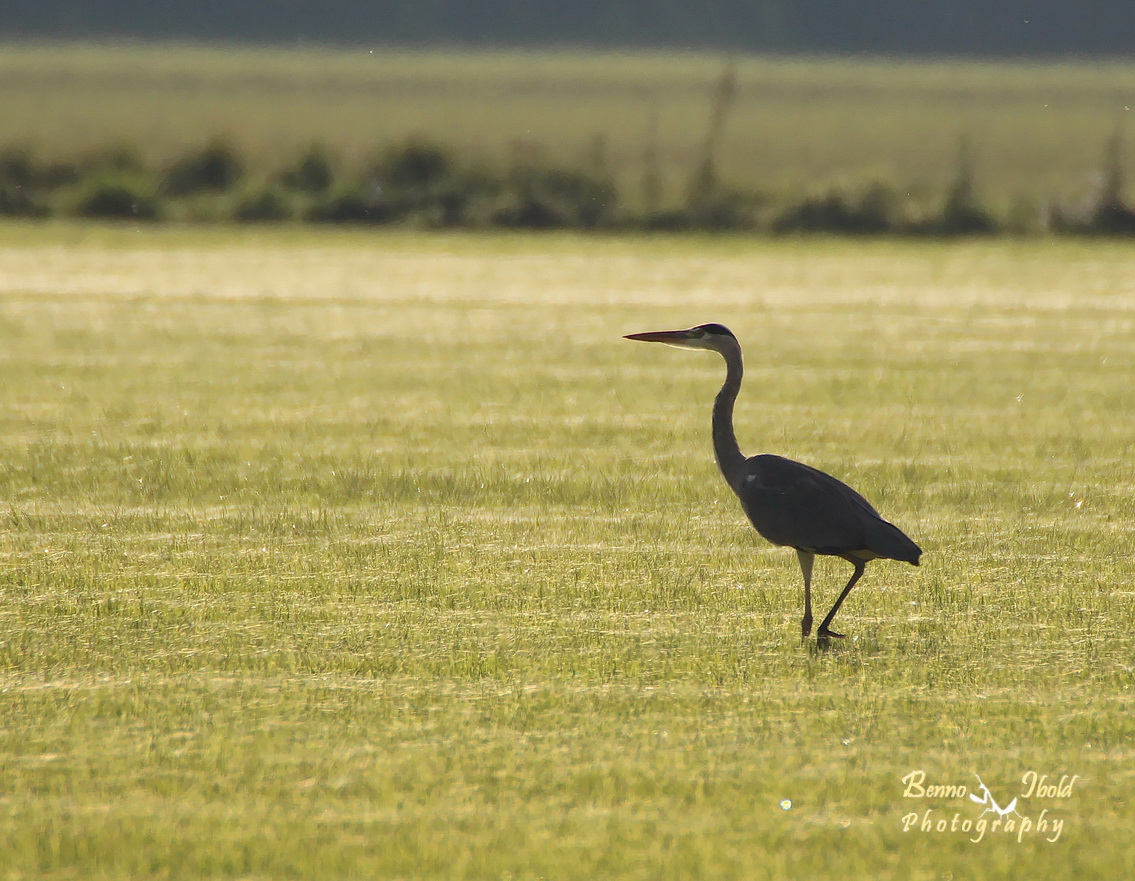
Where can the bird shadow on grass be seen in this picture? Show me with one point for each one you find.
(849, 647)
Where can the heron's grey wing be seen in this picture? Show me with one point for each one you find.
(793, 504)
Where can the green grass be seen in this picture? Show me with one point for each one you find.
(1038, 131)
(335, 555)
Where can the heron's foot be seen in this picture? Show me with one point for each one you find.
(805, 626)
(824, 635)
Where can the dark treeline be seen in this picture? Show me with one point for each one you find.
(430, 187)
(1007, 28)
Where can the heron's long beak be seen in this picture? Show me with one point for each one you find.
(670, 337)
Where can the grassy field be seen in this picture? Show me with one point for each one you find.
(1037, 131)
(333, 555)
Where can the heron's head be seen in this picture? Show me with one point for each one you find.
(715, 337)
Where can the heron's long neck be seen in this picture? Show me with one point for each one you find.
(729, 456)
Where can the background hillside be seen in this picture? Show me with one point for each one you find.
(1016, 28)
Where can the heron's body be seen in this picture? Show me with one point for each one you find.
(798, 506)
(789, 503)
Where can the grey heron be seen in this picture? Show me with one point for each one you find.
(789, 503)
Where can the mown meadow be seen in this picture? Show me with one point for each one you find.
(334, 554)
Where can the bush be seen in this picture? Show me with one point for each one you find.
(267, 203)
(27, 181)
(961, 216)
(117, 196)
(1109, 213)
(873, 212)
(20, 184)
(538, 196)
(112, 158)
(422, 182)
(350, 206)
(962, 213)
(214, 168)
(878, 210)
(312, 172)
(20, 201)
(825, 213)
(18, 168)
(1112, 219)
(721, 208)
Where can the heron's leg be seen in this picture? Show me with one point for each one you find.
(824, 632)
(806, 559)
